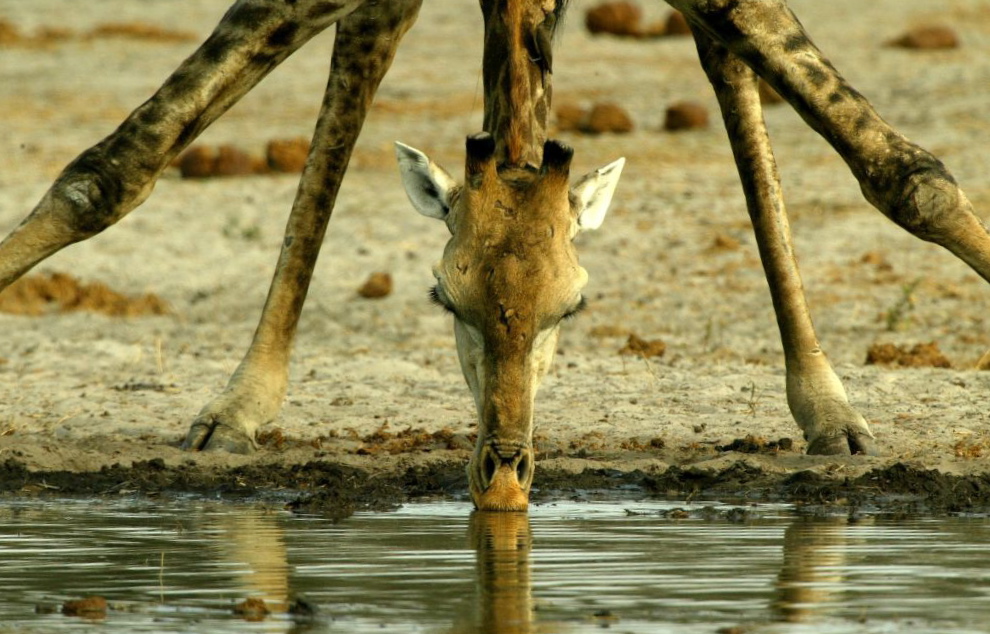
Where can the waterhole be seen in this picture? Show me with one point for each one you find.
(190, 565)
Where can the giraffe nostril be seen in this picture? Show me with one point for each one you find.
(522, 467)
(488, 468)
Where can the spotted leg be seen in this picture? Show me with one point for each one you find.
(815, 395)
(364, 47)
(110, 179)
(905, 182)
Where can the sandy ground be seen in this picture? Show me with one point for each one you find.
(675, 259)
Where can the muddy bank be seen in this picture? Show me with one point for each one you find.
(337, 490)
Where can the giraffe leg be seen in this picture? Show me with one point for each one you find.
(816, 397)
(365, 44)
(905, 182)
(107, 181)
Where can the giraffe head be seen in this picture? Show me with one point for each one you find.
(510, 276)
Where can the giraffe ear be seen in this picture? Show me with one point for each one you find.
(592, 194)
(428, 185)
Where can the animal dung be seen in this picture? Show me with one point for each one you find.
(252, 609)
(723, 242)
(607, 117)
(624, 19)
(36, 295)
(287, 155)
(570, 117)
(196, 162)
(88, 608)
(768, 96)
(920, 355)
(685, 115)
(232, 161)
(637, 346)
(281, 155)
(614, 18)
(676, 24)
(931, 37)
(377, 285)
(601, 118)
(10, 35)
(201, 161)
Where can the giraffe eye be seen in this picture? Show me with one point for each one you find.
(437, 298)
(581, 305)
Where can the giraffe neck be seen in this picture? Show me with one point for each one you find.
(517, 76)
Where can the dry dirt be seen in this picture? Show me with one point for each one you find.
(92, 403)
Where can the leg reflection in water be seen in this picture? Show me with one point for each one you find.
(811, 580)
(255, 540)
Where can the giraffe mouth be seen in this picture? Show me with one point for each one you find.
(500, 477)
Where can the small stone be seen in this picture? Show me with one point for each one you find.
(685, 115)
(927, 37)
(377, 285)
(614, 18)
(607, 117)
(287, 155)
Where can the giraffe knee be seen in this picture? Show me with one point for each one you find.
(928, 203)
(90, 196)
(917, 192)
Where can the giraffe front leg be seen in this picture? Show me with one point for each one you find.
(905, 182)
(364, 47)
(815, 394)
(112, 178)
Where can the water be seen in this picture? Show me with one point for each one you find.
(181, 566)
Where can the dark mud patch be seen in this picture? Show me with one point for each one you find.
(757, 444)
(335, 490)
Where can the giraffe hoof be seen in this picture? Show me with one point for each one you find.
(213, 435)
(850, 442)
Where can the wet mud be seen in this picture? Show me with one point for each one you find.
(337, 490)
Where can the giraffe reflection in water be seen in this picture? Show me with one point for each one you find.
(809, 586)
(502, 543)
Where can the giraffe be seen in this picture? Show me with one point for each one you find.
(737, 41)
(486, 269)
(509, 274)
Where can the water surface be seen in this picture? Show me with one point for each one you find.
(564, 567)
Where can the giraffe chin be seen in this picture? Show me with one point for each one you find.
(504, 493)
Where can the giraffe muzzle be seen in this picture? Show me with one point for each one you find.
(500, 476)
